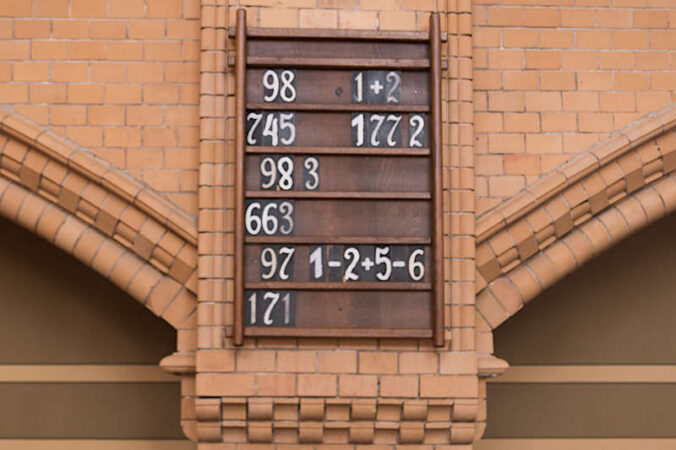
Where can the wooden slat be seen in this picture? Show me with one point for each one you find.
(340, 195)
(364, 151)
(356, 107)
(436, 162)
(338, 63)
(347, 286)
(374, 240)
(299, 33)
(340, 332)
(240, 148)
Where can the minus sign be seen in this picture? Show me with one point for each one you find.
(335, 264)
(398, 264)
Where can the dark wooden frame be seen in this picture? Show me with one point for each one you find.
(435, 65)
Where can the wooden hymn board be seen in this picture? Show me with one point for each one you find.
(338, 183)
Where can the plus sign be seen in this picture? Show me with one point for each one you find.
(367, 264)
(377, 87)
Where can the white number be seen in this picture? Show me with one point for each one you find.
(360, 87)
(270, 222)
(252, 221)
(269, 170)
(352, 255)
(288, 92)
(286, 209)
(287, 308)
(390, 136)
(269, 261)
(316, 263)
(285, 167)
(274, 298)
(272, 129)
(416, 269)
(382, 258)
(358, 121)
(271, 82)
(250, 139)
(286, 122)
(287, 252)
(391, 98)
(379, 119)
(252, 300)
(418, 122)
(311, 164)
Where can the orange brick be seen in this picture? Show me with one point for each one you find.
(505, 16)
(6, 28)
(225, 384)
(14, 93)
(630, 39)
(125, 51)
(49, 50)
(358, 385)
(316, 18)
(650, 19)
(521, 165)
(489, 164)
(357, 20)
(122, 137)
(126, 8)
(399, 386)
(578, 18)
(30, 29)
(296, 361)
(632, 81)
(282, 18)
(515, 122)
(160, 94)
(652, 101)
(594, 81)
(88, 8)
(540, 17)
(346, 4)
(577, 60)
(67, 115)
(449, 386)
(19, 8)
(506, 143)
(14, 50)
(123, 94)
(146, 29)
(152, 158)
(557, 81)
(580, 101)
(338, 361)
(162, 51)
(108, 72)
(317, 385)
(160, 137)
(144, 115)
(276, 385)
(487, 79)
(183, 29)
(614, 18)
(556, 38)
(652, 60)
(664, 81)
(85, 136)
(544, 143)
(618, 101)
(505, 101)
(70, 29)
(543, 101)
(37, 113)
(616, 60)
(505, 59)
(519, 38)
(505, 186)
(109, 30)
(559, 122)
(596, 122)
(5, 72)
(460, 363)
(72, 72)
(594, 39)
(519, 80)
(85, 93)
(378, 362)
(163, 8)
(486, 37)
(397, 20)
(145, 73)
(487, 122)
(543, 59)
(88, 50)
(105, 115)
(30, 71)
(418, 362)
(50, 8)
(48, 93)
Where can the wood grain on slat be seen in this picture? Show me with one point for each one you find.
(341, 195)
(366, 240)
(300, 33)
(340, 332)
(365, 151)
(348, 286)
(344, 63)
(356, 107)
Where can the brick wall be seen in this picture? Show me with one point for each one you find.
(118, 77)
(552, 77)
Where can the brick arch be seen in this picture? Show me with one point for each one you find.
(587, 205)
(112, 223)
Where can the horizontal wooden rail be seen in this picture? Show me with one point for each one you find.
(286, 33)
(350, 107)
(346, 286)
(338, 63)
(340, 332)
(364, 240)
(363, 151)
(342, 195)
